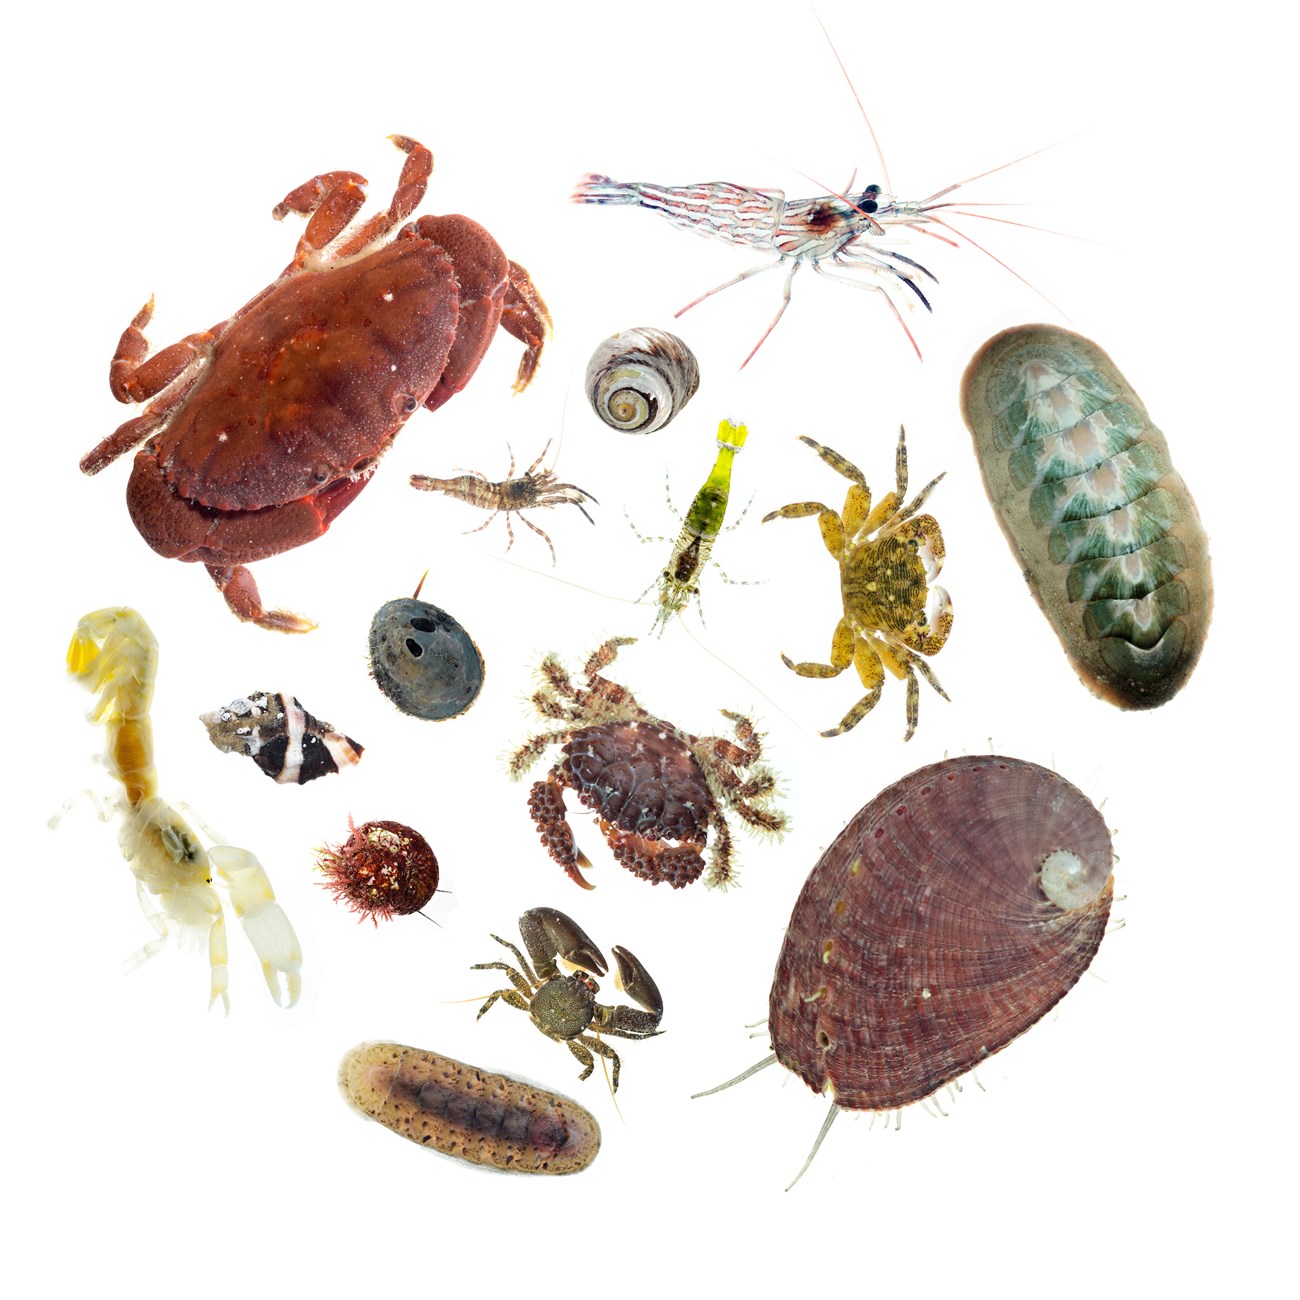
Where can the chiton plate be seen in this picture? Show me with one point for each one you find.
(1105, 530)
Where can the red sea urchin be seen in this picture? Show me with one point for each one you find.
(383, 869)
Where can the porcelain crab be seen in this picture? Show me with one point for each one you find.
(263, 428)
(564, 1007)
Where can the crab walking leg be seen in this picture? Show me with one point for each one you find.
(173, 372)
(264, 921)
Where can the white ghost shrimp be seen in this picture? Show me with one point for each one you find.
(114, 653)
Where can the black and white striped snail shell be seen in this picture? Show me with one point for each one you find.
(639, 379)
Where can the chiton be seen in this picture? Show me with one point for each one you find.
(1106, 531)
(955, 910)
(462, 1111)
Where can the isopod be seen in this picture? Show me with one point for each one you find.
(639, 380)
(462, 1111)
(951, 913)
(1106, 531)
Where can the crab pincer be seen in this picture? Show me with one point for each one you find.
(564, 1007)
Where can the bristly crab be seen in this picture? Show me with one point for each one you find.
(888, 558)
(564, 1007)
(263, 428)
(656, 790)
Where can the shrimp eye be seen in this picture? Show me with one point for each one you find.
(868, 201)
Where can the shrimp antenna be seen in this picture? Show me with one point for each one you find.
(880, 153)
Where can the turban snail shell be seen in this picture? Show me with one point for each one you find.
(639, 379)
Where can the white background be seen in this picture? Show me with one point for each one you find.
(1134, 1137)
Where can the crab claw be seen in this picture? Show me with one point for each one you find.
(546, 804)
(635, 981)
(549, 934)
(265, 924)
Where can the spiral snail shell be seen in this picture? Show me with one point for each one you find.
(955, 910)
(639, 379)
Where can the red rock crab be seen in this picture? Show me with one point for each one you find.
(263, 428)
(656, 790)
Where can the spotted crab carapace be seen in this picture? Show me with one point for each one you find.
(656, 790)
(263, 428)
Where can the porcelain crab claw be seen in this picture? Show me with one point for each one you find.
(548, 934)
(635, 981)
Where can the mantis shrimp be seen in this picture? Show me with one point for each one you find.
(679, 580)
(114, 653)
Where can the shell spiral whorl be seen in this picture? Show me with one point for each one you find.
(639, 379)
(924, 939)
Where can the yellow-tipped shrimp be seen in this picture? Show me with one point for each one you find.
(115, 654)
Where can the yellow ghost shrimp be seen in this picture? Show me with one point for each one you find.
(114, 653)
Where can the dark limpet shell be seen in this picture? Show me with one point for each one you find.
(424, 660)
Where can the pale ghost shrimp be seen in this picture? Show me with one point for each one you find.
(843, 237)
(114, 653)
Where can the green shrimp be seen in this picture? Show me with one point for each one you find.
(680, 578)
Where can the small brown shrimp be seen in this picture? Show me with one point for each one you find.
(531, 491)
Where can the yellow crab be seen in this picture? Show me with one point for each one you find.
(888, 557)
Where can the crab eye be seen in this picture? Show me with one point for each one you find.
(320, 472)
(411, 404)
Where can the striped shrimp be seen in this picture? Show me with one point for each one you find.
(841, 236)
(114, 653)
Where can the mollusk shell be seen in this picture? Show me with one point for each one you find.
(290, 745)
(1105, 530)
(462, 1111)
(923, 940)
(424, 660)
(639, 379)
